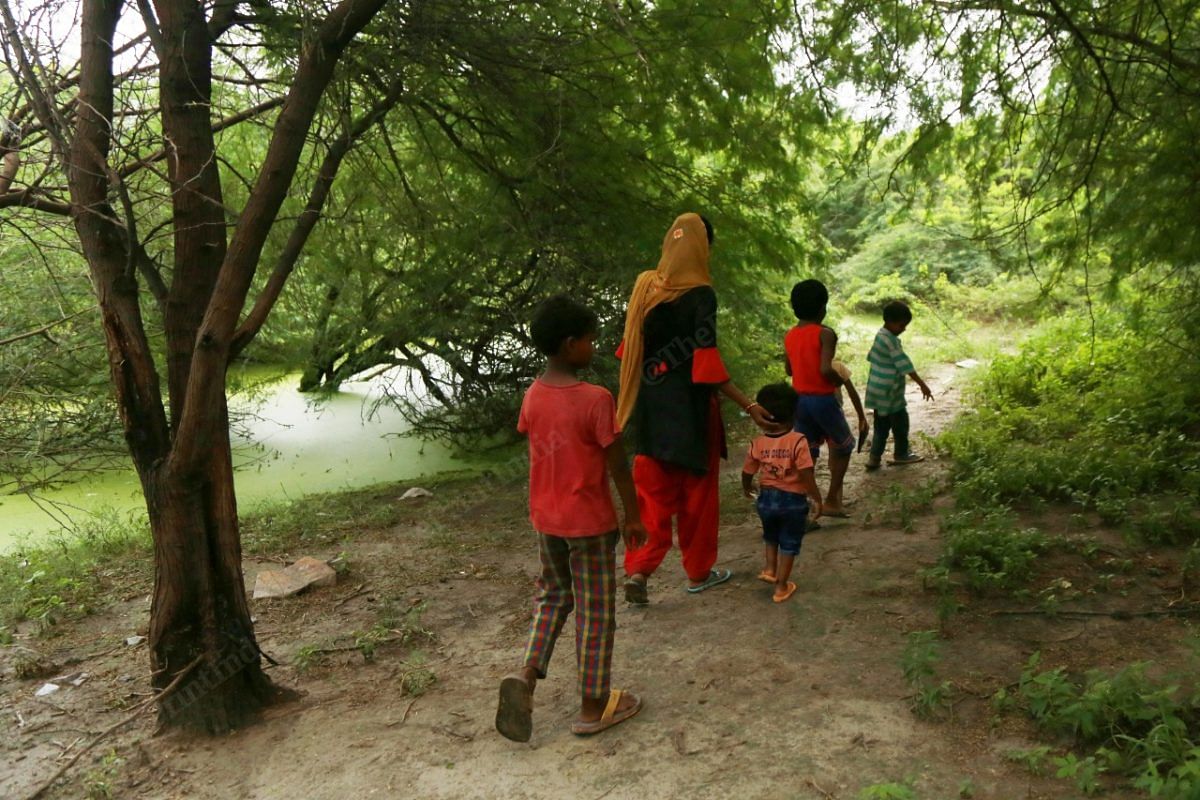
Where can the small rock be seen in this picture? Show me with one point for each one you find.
(134, 641)
(83, 676)
(276, 583)
(967, 363)
(46, 690)
(313, 572)
(416, 491)
(292, 580)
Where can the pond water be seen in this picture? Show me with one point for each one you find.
(288, 445)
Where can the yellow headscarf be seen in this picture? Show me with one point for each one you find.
(683, 267)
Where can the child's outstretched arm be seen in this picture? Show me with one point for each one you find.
(925, 392)
(809, 480)
(632, 532)
(856, 401)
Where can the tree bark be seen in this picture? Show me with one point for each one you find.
(199, 606)
(199, 609)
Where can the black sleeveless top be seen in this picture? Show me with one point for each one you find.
(672, 415)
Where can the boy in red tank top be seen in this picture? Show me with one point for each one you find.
(810, 348)
(574, 445)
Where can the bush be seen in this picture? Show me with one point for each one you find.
(1145, 729)
(989, 549)
(1101, 421)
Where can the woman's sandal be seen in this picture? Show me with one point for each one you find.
(610, 716)
(766, 577)
(635, 592)
(715, 577)
(514, 715)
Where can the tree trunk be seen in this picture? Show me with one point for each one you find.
(200, 608)
(320, 359)
(199, 620)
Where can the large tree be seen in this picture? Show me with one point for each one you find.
(550, 157)
(124, 144)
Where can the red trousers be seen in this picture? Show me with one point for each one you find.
(664, 491)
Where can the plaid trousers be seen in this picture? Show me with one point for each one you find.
(578, 574)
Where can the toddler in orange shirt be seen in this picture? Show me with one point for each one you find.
(787, 491)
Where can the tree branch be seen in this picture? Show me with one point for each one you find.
(308, 219)
(313, 74)
(32, 198)
(43, 329)
(220, 125)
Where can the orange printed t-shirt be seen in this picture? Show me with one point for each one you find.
(569, 428)
(780, 457)
(803, 347)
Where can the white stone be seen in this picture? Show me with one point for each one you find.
(313, 572)
(416, 491)
(292, 580)
(276, 583)
(46, 690)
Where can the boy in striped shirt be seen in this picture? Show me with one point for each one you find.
(885, 387)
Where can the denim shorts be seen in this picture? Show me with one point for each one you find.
(819, 417)
(784, 516)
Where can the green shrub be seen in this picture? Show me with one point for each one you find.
(920, 658)
(1145, 729)
(1104, 417)
(69, 576)
(989, 549)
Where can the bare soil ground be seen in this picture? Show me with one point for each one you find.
(744, 698)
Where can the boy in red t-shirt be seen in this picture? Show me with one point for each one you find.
(574, 445)
(787, 490)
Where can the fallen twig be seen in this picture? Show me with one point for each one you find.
(466, 737)
(817, 786)
(1166, 612)
(137, 711)
(404, 718)
(358, 592)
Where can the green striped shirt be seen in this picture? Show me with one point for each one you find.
(889, 366)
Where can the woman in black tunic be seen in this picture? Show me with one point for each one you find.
(671, 374)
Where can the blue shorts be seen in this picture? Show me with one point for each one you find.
(783, 515)
(819, 417)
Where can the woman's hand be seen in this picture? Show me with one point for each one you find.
(634, 534)
(760, 416)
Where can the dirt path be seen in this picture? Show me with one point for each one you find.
(744, 698)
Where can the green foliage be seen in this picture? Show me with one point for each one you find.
(317, 520)
(70, 577)
(554, 160)
(416, 678)
(988, 548)
(392, 628)
(98, 782)
(900, 504)
(1134, 725)
(1098, 413)
(1079, 145)
(888, 791)
(918, 662)
(57, 418)
(1033, 759)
